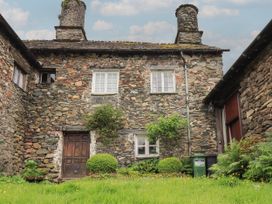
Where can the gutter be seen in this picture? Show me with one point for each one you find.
(185, 69)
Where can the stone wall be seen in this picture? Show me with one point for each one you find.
(256, 95)
(188, 24)
(13, 103)
(64, 103)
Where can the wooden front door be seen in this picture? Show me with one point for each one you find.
(76, 152)
(233, 119)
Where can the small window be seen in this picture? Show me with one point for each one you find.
(163, 82)
(145, 148)
(105, 82)
(47, 77)
(19, 77)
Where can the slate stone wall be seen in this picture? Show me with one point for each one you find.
(61, 106)
(13, 110)
(188, 24)
(256, 95)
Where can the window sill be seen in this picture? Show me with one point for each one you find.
(146, 156)
(162, 93)
(104, 94)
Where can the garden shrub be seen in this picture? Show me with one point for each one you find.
(102, 163)
(146, 166)
(260, 168)
(31, 172)
(167, 128)
(128, 172)
(231, 163)
(187, 166)
(106, 120)
(170, 165)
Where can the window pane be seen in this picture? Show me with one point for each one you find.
(141, 141)
(44, 78)
(16, 75)
(112, 82)
(153, 150)
(106, 82)
(141, 150)
(52, 77)
(152, 142)
(100, 82)
(156, 82)
(168, 82)
(21, 80)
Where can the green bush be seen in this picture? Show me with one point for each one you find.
(231, 163)
(106, 120)
(170, 165)
(128, 172)
(187, 166)
(146, 166)
(168, 128)
(31, 172)
(260, 168)
(102, 163)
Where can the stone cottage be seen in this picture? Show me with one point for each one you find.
(243, 98)
(44, 117)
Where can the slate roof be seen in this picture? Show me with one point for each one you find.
(231, 80)
(117, 47)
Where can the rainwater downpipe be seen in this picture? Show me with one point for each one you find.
(185, 69)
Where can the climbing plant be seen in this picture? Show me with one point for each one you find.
(168, 127)
(106, 120)
(65, 2)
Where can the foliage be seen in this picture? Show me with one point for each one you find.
(65, 2)
(246, 159)
(146, 166)
(12, 179)
(187, 166)
(170, 165)
(260, 168)
(31, 172)
(102, 163)
(166, 128)
(106, 121)
(128, 172)
(231, 163)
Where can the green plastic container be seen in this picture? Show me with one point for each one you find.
(199, 165)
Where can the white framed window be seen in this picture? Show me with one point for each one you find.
(105, 82)
(145, 148)
(19, 77)
(163, 82)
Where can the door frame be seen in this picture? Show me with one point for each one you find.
(65, 133)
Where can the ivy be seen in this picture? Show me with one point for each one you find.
(106, 120)
(65, 2)
(168, 127)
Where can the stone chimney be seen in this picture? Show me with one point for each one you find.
(188, 25)
(71, 21)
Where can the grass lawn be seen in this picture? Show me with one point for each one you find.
(138, 191)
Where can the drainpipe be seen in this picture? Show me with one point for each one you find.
(185, 69)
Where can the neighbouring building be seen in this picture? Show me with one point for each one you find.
(243, 98)
(18, 65)
(45, 119)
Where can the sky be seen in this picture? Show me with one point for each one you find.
(228, 24)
